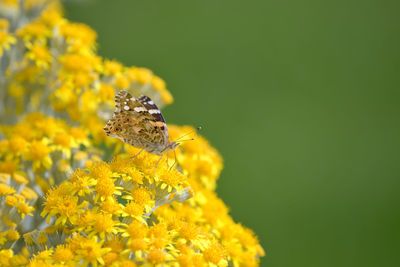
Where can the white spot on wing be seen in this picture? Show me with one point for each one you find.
(151, 102)
(139, 109)
(154, 111)
(126, 107)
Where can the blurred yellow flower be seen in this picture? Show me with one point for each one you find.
(6, 40)
(40, 54)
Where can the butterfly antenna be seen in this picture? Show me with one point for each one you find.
(191, 139)
(167, 160)
(198, 129)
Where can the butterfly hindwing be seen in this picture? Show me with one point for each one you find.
(155, 113)
(127, 116)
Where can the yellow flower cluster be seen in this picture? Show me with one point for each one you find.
(205, 212)
(51, 66)
(110, 206)
(62, 203)
(17, 201)
(197, 158)
(126, 213)
(44, 149)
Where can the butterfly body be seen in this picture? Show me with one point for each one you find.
(139, 122)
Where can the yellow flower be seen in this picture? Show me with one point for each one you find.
(121, 82)
(107, 93)
(143, 75)
(13, 235)
(215, 254)
(81, 183)
(171, 179)
(111, 206)
(112, 67)
(89, 102)
(4, 24)
(78, 32)
(63, 254)
(105, 188)
(198, 159)
(63, 97)
(40, 54)
(39, 155)
(137, 230)
(24, 209)
(35, 30)
(5, 257)
(51, 16)
(60, 202)
(110, 257)
(156, 256)
(6, 40)
(83, 79)
(104, 225)
(135, 211)
(75, 63)
(91, 251)
(18, 145)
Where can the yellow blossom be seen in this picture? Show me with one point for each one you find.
(18, 145)
(51, 16)
(63, 254)
(24, 209)
(6, 190)
(81, 182)
(90, 251)
(78, 32)
(13, 235)
(112, 67)
(39, 154)
(35, 30)
(40, 54)
(4, 24)
(106, 93)
(216, 255)
(156, 256)
(121, 82)
(6, 40)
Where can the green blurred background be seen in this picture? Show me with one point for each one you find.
(302, 100)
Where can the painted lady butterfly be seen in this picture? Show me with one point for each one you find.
(138, 122)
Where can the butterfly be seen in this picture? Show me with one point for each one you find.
(139, 122)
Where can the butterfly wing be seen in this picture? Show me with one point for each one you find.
(151, 107)
(156, 114)
(134, 124)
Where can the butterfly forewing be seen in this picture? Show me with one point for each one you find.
(151, 107)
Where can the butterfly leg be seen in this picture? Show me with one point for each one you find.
(167, 160)
(137, 154)
(174, 161)
(155, 167)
